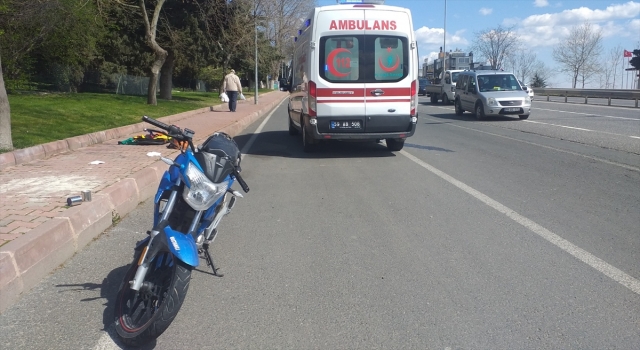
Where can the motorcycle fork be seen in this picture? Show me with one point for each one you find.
(152, 248)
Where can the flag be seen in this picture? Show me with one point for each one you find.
(627, 53)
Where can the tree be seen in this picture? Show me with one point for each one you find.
(609, 70)
(495, 45)
(54, 40)
(538, 81)
(160, 54)
(578, 54)
(523, 64)
(283, 19)
(233, 27)
(544, 73)
(6, 141)
(25, 25)
(150, 36)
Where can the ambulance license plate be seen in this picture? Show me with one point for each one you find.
(345, 125)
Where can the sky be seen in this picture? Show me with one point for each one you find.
(540, 24)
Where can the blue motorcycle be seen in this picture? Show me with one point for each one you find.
(193, 196)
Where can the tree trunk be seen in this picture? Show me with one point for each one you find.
(6, 142)
(166, 77)
(160, 56)
(159, 52)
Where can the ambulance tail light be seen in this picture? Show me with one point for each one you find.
(313, 93)
(414, 93)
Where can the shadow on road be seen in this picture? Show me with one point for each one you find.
(281, 144)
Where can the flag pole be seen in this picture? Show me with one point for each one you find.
(622, 82)
(622, 73)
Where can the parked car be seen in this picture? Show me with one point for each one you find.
(527, 89)
(422, 86)
(491, 93)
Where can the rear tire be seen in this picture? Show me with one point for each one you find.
(292, 129)
(142, 316)
(394, 145)
(307, 144)
(434, 98)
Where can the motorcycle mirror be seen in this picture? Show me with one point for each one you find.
(167, 160)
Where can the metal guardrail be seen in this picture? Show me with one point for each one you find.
(609, 94)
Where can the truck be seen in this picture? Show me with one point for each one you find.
(444, 88)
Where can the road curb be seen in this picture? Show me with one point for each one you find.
(25, 261)
(53, 148)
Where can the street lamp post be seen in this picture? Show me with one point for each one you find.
(255, 25)
(444, 57)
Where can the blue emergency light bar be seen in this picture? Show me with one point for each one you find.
(350, 2)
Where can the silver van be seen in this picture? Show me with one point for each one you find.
(491, 93)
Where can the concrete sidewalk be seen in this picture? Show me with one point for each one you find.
(39, 232)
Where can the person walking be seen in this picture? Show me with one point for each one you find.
(232, 87)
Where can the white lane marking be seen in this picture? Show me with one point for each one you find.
(625, 166)
(582, 113)
(247, 147)
(598, 264)
(571, 127)
(562, 126)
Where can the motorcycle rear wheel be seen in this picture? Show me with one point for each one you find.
(142, 316)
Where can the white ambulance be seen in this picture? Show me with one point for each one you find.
(355, 75)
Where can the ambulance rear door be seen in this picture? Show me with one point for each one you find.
(340, 84)
(388, 51)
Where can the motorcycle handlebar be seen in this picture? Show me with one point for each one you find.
(172, 130)
(243, 184)
(157, 123)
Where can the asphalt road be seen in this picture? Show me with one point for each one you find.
(495, 234)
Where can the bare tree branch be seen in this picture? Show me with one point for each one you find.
(579, 53)
(495, 45)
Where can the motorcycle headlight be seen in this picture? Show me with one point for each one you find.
(202, 193)
(492, 101)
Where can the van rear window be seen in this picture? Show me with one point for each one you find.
(364, 58)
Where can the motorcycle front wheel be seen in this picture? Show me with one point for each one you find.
(142, 316)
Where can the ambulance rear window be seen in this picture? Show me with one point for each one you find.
(363, 58)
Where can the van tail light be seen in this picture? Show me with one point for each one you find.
(312, 99)
(414, 98)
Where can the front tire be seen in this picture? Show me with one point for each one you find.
(445, 99)
(142, 316)
(479, 111)
(458, 108)
(523, 117)
(434, 98)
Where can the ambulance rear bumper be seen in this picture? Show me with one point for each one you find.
(321, 129)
